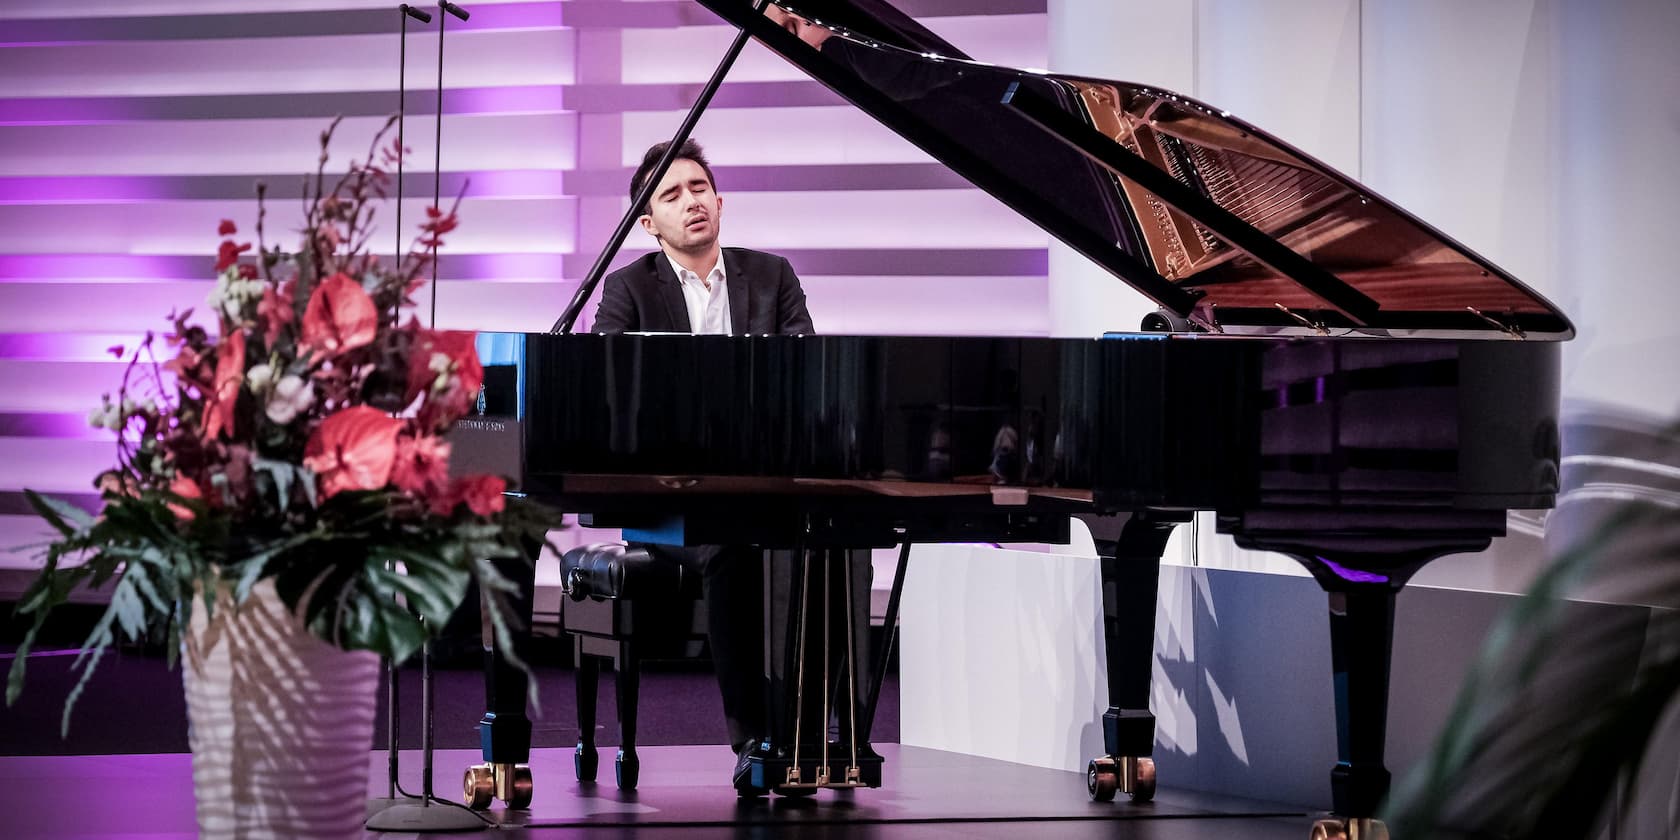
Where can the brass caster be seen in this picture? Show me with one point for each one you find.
(479, 787)
(1362, 828)
(514, 785)
(1137, 778)
(1102, 778)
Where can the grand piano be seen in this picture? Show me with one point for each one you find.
(1335, 379)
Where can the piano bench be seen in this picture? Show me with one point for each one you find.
(624, 603)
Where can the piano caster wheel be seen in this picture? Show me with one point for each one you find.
(1107, 775)
(520, 788)
(479, 787)
(1102, 779)
(510, 783)
(627, 769)
(1138, 778)
(795, 792)
(586, 761)
(1363, 828)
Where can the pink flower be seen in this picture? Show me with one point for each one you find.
(228, 254)
(353, 449)
(422, 466)
(340, 317)
(224, 390)
(275, 311)
(186, 488)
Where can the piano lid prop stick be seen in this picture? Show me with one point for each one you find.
(599, 269)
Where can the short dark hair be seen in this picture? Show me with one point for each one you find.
(689, 149)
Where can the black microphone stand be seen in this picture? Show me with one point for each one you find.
(408, 816)
(392, 706)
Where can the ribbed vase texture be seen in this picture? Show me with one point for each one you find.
(280, 723)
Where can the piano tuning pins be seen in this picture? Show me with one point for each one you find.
(1511, 329)
(1311, 325)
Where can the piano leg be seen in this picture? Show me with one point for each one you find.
(1362, 558)
(504, 733)
(1130, 559)
(1361, 646)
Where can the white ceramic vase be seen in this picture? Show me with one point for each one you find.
(280, 723)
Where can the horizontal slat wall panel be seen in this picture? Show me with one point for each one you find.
(35, 385)
(259, 146)
(128, 128)
(841, 134)
(233, 67)
(177, 227)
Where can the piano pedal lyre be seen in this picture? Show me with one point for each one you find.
(510, 783)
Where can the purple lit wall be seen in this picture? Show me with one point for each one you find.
(128, 128)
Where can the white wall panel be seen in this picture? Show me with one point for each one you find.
(1458, 123)
(1290, 68)
(1619, 199)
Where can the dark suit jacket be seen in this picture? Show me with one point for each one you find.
(646, 296)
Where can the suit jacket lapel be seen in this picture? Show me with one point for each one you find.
(670, 291)
(739, 287)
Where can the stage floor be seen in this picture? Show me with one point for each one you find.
(927, 795)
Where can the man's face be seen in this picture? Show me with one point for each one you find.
(685, 211)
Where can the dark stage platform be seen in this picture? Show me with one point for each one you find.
(928, 795)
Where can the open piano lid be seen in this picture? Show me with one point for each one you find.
(1209, 216)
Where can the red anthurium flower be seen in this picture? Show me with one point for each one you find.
(353, 449)
(444, 366)
(422, 465)
(224, 390)
(482, 494)
(229, 253)
(339, 317)
(226, 228)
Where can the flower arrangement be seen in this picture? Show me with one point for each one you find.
(304, 443)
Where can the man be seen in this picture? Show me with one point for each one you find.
(692, 284)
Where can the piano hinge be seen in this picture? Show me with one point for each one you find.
(1206, 316)
(1511, 330)
(1312, 325)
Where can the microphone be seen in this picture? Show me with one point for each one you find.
(437, 146)
(423, 17)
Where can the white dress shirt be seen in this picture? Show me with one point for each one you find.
(708, 302)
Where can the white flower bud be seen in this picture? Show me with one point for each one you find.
(260, 377)
(292, 396)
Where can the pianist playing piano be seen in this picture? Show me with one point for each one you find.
(694, 285)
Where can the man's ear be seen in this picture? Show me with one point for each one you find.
(647, 225)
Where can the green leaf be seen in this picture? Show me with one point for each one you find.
(64, 517)
(282, 473)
